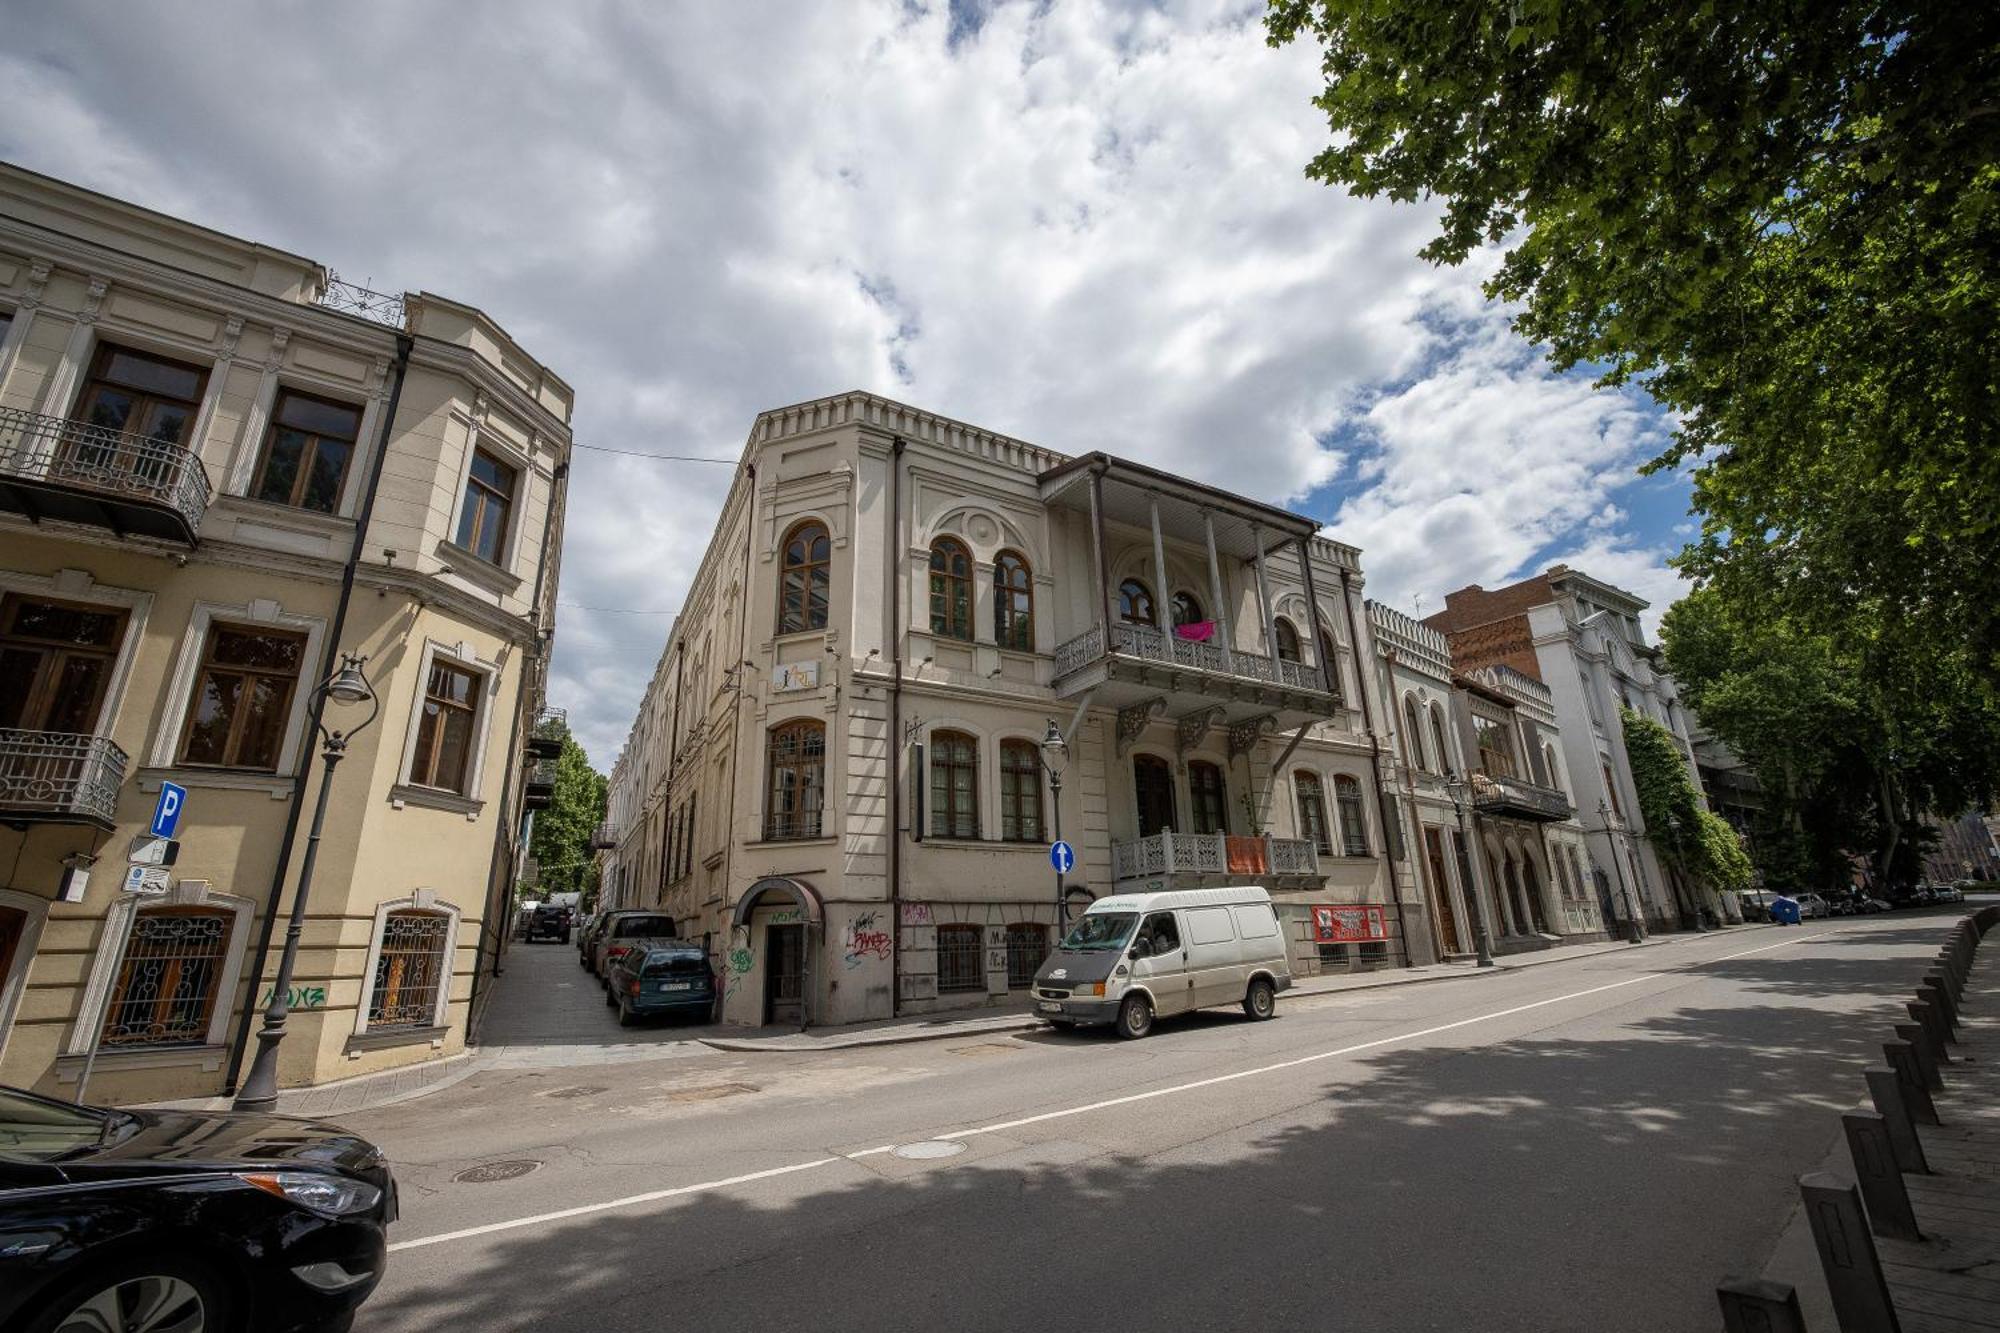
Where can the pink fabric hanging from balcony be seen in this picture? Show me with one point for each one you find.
(1197, 630)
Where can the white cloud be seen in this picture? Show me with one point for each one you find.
(1085, 224)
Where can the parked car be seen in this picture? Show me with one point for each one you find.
(1947, 893)
(1869, 905)
(1922, 896)
(548, 922)
(629, 924)
(1136, 957)
(211, 1222)
(524, 914)
(653, 978)
(1812, 907)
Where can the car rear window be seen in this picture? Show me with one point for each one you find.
(642, 925)
(689, 966)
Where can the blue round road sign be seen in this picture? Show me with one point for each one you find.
(1062, 856)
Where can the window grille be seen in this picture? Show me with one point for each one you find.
(796, 758)
(167, 983)
(1027, 949)
(961, 958)
(409, 971)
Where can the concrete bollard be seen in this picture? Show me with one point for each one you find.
(1752, 1305)
(1947, 964)
(1902, 1057)
(1890, 1212)
(1886, 1091)
(1927, 1065)
(1933, 994)
(1932, 1022)
(1847, 1255)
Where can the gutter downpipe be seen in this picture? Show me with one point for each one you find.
(736, 736)
(405, 344)
(895, 819)
(1375, 761)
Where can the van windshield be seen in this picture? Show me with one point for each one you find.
(1100, 930)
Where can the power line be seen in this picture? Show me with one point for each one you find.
(664, 458)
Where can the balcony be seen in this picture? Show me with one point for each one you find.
(545, 738)
(1221, 856)
(52, 467)
(53, 777)
(1508, 797)
(539, 793)
(604, 837)
(1144, 662)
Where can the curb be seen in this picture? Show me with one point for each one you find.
(771, 1046)
(462, 1066)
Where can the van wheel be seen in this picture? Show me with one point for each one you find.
(1261, 1002)
(1135, 1017)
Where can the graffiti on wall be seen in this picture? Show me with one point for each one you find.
(916, 914)
(298, 997)
(737, 966)
(865, 939)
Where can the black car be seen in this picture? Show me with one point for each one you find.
(184, 1221)
(548, 922)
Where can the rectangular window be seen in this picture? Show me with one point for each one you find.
(135, 393)
(1208, 797)
(55, 663)
(243, 697)
(409, 970)
(954, 785)
(1312, 812)
(446, 728)
(489, 496)
(795, 757)
(1027, 949)
(961, 958)
(1020, 792)
(165, 991)
(1353, 824)
(306, 452)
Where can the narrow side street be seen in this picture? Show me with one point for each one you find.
(1584, 1145)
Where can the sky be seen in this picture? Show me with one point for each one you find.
(1083, 223)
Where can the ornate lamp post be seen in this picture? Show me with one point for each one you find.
(1461, 796)
(1635, 932)
(1055, 758)
(346, 687)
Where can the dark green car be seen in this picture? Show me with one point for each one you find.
(660, 978)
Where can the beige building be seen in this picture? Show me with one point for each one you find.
(838, 773)
(221, 471)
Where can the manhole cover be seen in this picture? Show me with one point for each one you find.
(713, 1092)
(492, 1171)
(930, 1148)
(581, 1090)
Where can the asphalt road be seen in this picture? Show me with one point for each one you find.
(1587, 1145)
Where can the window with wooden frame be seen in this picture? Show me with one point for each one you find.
(1496, 746)
(1312, 811)
(1438, 744)
(1020, 791)
(1353, 822)
(306, 452)
(1208, 796)
(796, 758)
(1186, 609)
(951, 589)
(961, 958)
(136, 393)
(447, 728)
(1413, 729)
(954, 785)
(1135, 603)
(1288, 640)
(242, 697)
(56, 661)
(1013, 602)
(1027, 950)
(489, 499)
(168, 983)
(805, 571)
(411, 970)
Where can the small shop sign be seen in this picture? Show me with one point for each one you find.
(1356, 923)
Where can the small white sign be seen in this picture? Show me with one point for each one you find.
(795, 676)
(149, 880)
(149, 851)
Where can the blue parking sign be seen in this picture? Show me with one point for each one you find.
(1062, 856)
(167, 814)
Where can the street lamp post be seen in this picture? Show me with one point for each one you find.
(1482, 937)
(346, 687)
(1055, 757)
(1635, 931)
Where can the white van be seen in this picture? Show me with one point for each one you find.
(1140, 956)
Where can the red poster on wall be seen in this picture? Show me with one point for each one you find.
(1349, 924)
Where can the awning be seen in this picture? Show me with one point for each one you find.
(780, 886)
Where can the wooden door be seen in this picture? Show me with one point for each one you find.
(1447, 918)
(784, 973)
(1153, 790)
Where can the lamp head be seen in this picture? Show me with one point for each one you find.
(348, 685)
(1055, 750)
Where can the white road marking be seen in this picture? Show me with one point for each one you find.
(653, 1196)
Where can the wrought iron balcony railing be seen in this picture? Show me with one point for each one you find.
(604, 836)
(88, 473)
(1512, 796)
(1212, 854)
(1154, 645)
(60, 777)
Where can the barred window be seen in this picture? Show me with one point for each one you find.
(951, 589)
(1027, 948)
(796, 757)
(961, 958)
(410, 971)
(167, 983)
(954, 785)
(1208, 795)
(1353, 823)
(1312, 812)
(1013, 602)
(1020, 791)
(803, 579)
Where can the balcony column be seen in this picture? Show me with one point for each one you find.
(1313, 632)
(1163, 614)
(1097, 550)
(1215, 592)
(1264, 601)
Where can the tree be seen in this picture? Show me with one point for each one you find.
(1782, 219)
(1691, 841)
(561, 838)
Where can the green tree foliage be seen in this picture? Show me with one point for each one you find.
(1783, 219)
(1702, 847)
(561, 837)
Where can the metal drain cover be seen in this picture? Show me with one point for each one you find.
(492, 1171)
(929, 1149)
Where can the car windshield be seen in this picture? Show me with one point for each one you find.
(38, 1131)
(630, 926)
(1100, 930)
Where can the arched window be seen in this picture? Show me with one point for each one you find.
(802, 579)
(1312, 812)
(1353, 823)
(1413, 729)
(410, 969)
(1437, 742)
(1209, 796)
(951, 589)
(954, 785)
(1555, 774)
(1020, 791)
(1288, 641)
(1013, 602)
(1135, 603)
(795, 757)
(1187, 609)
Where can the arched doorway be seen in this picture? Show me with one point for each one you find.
(785, 952)
(1532, 883)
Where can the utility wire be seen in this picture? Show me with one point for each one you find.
(665, 458)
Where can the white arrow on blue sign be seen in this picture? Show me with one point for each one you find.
(1062, 856)
(167, 813)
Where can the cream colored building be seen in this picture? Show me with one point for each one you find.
(836, 774)
(192, 428)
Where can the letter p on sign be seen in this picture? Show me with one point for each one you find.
(167, 814)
